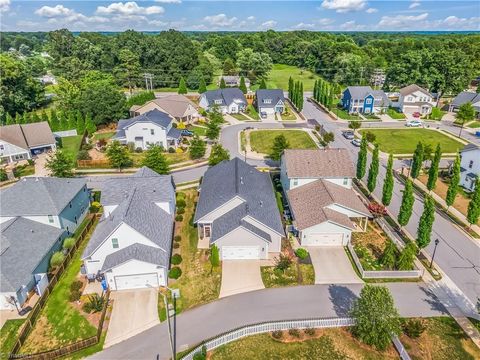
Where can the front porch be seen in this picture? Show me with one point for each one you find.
(360, 223)
(204, 233)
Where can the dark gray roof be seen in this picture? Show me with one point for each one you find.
(470, 147)
(227, 96)
(39, 196)
(274, 95)
(360, 92)
(139, 252)
(465, 97)
(174, 133)
(153, 116)
(24, 244)
(229, 179)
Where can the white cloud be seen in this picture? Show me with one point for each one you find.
(402, 21)
(129, 8)
(414, 4)
(251, 18)
(371, 10)
(55, 11)
(456, 23)
(60, 15)
(169, 1)
(303, 26)
(221, 20)
(270, 24)
(325, 21)
(4, 5)
(343, 6)
(352, 26)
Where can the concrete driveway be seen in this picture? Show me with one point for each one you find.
(332, 266)
(239, 276)
(134, 311)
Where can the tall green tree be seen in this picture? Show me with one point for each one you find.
(406, 208)
(433, 171)
(376, 318)
(454, 181)
(202, 87)
(373, 171)
(263, 84)
(8, 119)
(128, 70)
(90, 126)
(182, 87)
(156, 160)
(388, 183)
(473, 212)
(407, 256)
(18, 119)
(60, 164)
(362, 159)
(80, 123)
(217, 155)
(197, 148)
(280, 143)
(223, 85)
(44, 116)
(255, 64)
(389, 256)
(229, 67)
(290, 87)
(118, 155)
(466, 113)
(63, 121)
(243, 86)
(213, 130)
(426, 222)
(71, 122)
(300, 98)
(417, 161)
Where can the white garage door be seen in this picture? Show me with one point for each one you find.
(137, 281)
(240, 252)
(323, 240)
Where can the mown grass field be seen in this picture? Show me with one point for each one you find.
(280, 73)
(261, 141)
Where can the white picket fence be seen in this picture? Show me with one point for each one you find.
(400, 348)
(268, 327)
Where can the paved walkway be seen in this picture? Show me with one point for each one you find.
(40, 161)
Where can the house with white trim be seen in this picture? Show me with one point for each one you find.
(227, 101)
(469, 166)
(415, 99)
(270, 101)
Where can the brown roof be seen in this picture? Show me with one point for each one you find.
(412, 88)
(175, 105)
(27, 135)
(318, 163)
(310, 202)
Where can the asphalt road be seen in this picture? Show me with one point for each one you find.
(290, 303)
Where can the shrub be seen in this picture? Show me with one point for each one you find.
(214, 256)
(283, 262)
(371, 137)
(94, 304)
(413, 327)
(177, 238)
(175, 272)
(3, 175)
(201, 355)
(278, 187)
(87, 146)
(76, 285)
(171, 150)
(181, 203)
(176, 259)
(309, 331)
(130, 145)
(301, 253)
(181, 211)
(294, 333)
(95, 206)
(179, 217)
(138, 150)
(31, 162)
(68, 243)
(181, 195)
(277, 334)
(176, 245)
(56, 259)
(74, 295)
(377, 209)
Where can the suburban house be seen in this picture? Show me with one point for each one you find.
(233, 81)
(131, 245)
(227, 101)
(20, 142)
(414, 99)
(364, 100)
(270, 101)
(466, 97)
(36, 214)
(469, 166)
(177, 106)
(318, 185)
(154, 127)
(237, 212)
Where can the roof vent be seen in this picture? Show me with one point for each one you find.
(31, 230)
(36, 179)
(261, 203)
(241, 180)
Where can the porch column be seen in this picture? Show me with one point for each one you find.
(366, 224)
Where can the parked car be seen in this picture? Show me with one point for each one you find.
(187, 133)
(416, 114)
(348, 135)
(356, 142)
(263, 115)
(413, 123)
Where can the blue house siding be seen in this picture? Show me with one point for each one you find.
(368, 104)
(71, 217)
(347, 100)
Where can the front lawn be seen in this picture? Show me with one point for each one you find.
(404, 141)
(198, 130)
(173, 158)
(240, 117)
(23, 170)
(252, 112)
(280, 73)
(474, 124)
(103, 135)
(395, 114)
(343, 114)
(8, 336)
(71, 145)
(288, 114)
(261, 141)
(303, 274)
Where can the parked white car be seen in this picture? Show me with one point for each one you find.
(413, 123)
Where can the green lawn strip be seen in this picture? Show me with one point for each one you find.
(288, 114)
(404, 141)
(394, 114)
(82, 354)
(24, 170)
(343, 114)
(173, 158)
(280, 73)
(261, 141)
(252, 112)
(103, 135)
(240, 117)
(71, 145)
(474, 125)
(272, 277)
(198, 130)
(8, 336)
(475, 323)
(243, 140)
(371, 117)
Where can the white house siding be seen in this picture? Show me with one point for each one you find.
(276, 244)
(5, 219)
(242, 237)
(135, 267)
(107, 210)
(324, 228)
(343, 210)
(143, 130)
(405, 102)
(44, 220)
(168, 206)
(208, 218)
(12, 153)
(293, 183)
(469, 157)
(268, 110)
(203, 103)
(126, 236)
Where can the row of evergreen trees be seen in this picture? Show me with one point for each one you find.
(324, 93)
(295, 93)
(58, 121)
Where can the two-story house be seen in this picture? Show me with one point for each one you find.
(364, 100)
(318, 185)
(469, 166)
(151, 128)
(414, 99)
(270, 101)
(132, 243)
(466, 97)
(36, 215)
(237, 212)
(233, 81)
(226, 101)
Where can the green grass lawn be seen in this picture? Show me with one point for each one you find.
(23, 170)
(261, 141)
(394, 114)
(474, 124)
(103, 135)
(173, 158)
(280, 73)
(252, 112)
(71, 145)
(343, 114)
(276, 278)
(404, 141)
(240, 117)
(198, 130)
(8, 336)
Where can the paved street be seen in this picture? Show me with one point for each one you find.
(206, 321)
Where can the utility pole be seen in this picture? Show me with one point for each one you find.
(148, 81)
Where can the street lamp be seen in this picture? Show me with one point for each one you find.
(434, 250)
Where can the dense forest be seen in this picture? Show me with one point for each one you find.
(443, 63)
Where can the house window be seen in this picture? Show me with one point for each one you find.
(368, 101)
(2, 147)
(115, 243)
(470, 164)
(50, 219)
(267, 101)
(218, 102)
(207, 230)
(295, 182)
(345, 181)
(70, 204)
(152, 131)
(75, 219)
(409, 98)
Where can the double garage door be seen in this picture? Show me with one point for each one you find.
(240, 252)
(137, 281)
(323, 240)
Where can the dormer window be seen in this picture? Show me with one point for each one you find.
(218, 102)
(267, 101)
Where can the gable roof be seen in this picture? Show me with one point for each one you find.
(228, 179)
(310, 203)
(227, 96)
(153, 116)
(27, 136)
(24, 244)
(318, 163)
(412, 88)
(275, 95)
(361, 92)
(465, 97)
(139, 252)
(39, 196)
(175, 105)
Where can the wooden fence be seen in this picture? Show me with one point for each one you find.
(87, 164)
(34, 314)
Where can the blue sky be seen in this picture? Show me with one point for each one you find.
(322, 15)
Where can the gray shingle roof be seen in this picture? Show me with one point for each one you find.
(470, 147)
(139, 252)
(412, 88)
(27, 135)
(24, 244)
(274, 95)
(153, 116)
(360, 92)
(465, 97)
(227, 96)
(174, 133)
(229, 179)
(39, 196)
